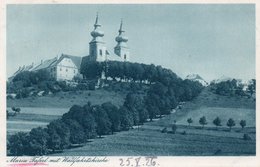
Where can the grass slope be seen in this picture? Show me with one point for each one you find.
(68, 99)
(148, 140)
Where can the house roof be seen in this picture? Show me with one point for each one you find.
(45, 64)
(54, 61)
(76, 59)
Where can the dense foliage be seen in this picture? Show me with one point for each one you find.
(81, 123)
(233, 88)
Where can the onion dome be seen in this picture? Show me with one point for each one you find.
(97, 32)
(121, 38)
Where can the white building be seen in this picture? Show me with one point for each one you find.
(66, 67)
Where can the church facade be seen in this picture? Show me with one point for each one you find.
(67, 67)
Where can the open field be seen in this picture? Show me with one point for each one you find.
(25, 122)
(68, 99)
(148, 140)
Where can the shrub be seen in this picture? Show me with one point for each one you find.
(174, 128)
(184, 132)
(164, 130)
(246, 137)
(82, 86)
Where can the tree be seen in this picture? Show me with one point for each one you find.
(126, 118)
(143, 115)
(16, 110)
(84, 116)
(58, 127)
(203, 121)
(7, 114)
(38, 138)
(54, 142)
(77, 134)
(217, 122)
(242, 123)
(252, 86)
(190, 121)
(230, 123)
(102, 120)
(18, 143)
(114, 116)
(152, 104)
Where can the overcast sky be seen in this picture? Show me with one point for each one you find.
(209, 40)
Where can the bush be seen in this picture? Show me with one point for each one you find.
(246, 137)
(164, 130)
(23, 93)
(82, 86)
(174, 128)
(184, 132)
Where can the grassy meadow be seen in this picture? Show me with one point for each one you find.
(195, 141)
(148, 139)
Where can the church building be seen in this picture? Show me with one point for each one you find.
(66, 67)
(98, 50)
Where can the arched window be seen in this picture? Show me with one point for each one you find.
(100, 52)
(125, 56)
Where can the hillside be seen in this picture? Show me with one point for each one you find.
(68, 99)
(148, 139)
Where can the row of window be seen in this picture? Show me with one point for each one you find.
(54, 70)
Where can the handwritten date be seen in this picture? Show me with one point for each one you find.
(138, 161)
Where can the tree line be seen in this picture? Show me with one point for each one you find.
(86, 122)
(233, 87)
(217, 122)
(125, 70)
(90, 121)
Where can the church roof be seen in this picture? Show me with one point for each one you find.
(114, 58)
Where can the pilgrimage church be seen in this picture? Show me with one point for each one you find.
(66, 67)
(97, 46)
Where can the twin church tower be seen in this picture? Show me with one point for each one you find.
(97, 46)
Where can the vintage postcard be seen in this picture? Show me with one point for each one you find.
(129, 83)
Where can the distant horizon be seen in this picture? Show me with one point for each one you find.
(209, 40)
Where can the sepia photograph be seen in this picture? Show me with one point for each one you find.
(101, 80)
